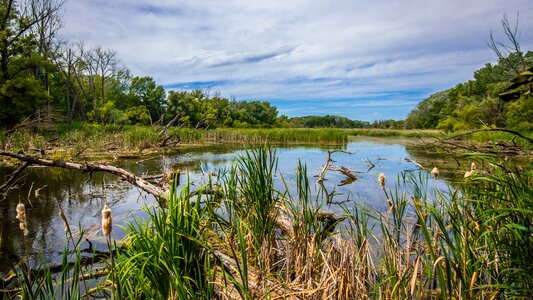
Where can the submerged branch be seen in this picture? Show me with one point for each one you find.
(414, 162)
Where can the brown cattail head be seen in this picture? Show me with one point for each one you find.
(435, 172)
(381, 179)
(21, 216)
(107, 221)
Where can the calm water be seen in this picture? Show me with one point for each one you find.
(43, 190)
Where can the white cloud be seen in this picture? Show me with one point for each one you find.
(300, 49)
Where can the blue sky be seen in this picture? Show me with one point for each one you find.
(360, 59)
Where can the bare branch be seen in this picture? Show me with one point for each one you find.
(512, 34)
(13, 176)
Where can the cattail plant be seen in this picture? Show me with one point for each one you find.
(107, 227)
(435, 172)
(381, 179)
(21, 216)
(107, 221)
(473, 169)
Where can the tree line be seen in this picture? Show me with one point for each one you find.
(43, 77)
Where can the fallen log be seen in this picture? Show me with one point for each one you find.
(159, 193)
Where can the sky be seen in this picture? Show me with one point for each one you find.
(365, 60)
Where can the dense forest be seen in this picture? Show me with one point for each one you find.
(45, 78)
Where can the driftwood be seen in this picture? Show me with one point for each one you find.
(452, 143)
(504, 148)
(137, 181)
(164, 130)
(151, 177)
(146, 159)
(165, 141)
(328, 166)
(371, 164)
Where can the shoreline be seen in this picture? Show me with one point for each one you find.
(94, 142)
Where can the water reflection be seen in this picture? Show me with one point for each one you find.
(82, 196)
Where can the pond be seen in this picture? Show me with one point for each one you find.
(44, 190)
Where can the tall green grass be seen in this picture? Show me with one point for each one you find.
(168, 255)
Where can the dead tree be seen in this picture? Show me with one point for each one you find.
(504, 50)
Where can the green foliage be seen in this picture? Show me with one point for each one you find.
(520, 113)
(21, 91)
(477, 103)
(428, 112)
(198, 109)
(20, 97)
(502, 204)
(144, 92)
(137, 115)
(168, 258)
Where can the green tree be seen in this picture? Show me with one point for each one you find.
(21, 93)
(143, 91)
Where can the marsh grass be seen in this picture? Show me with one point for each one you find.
(239, 237)
(306, 135)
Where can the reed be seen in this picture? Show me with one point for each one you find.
(277, 136)
(306, 135)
